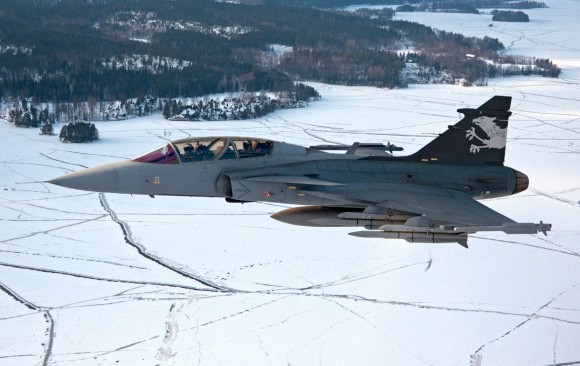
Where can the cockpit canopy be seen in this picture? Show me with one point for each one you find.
(208, 148)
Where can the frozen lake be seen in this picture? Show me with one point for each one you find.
(102, 279)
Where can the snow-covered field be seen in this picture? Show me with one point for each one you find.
(103, 279)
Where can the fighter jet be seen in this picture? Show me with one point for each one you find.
(431, 196)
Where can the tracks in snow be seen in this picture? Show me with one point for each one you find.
(530, 317)
(46, 314)
(128, 236)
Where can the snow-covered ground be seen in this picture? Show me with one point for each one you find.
(103, 279)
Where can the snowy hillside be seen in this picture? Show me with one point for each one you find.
(106, 279)
(141, 23)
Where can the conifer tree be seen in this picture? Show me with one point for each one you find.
(47, 129)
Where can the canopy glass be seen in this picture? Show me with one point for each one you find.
(208, 148)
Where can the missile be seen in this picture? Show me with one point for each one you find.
(447, 233)
(415, 237)
(508, 228)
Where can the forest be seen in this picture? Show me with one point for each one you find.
(71, 52)
(433, 5)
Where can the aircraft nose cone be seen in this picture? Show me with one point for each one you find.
(522, 182)
(104, 178)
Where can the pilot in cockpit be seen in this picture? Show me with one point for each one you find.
(261, 147)
(201, 151)
(188, 153)
(256, 147)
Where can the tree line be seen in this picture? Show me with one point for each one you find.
(509, 16)
(447, 5)
(238, 106)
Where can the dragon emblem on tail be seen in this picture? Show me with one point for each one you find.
(496, 136)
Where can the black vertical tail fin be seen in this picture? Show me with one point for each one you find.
(479, 138)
